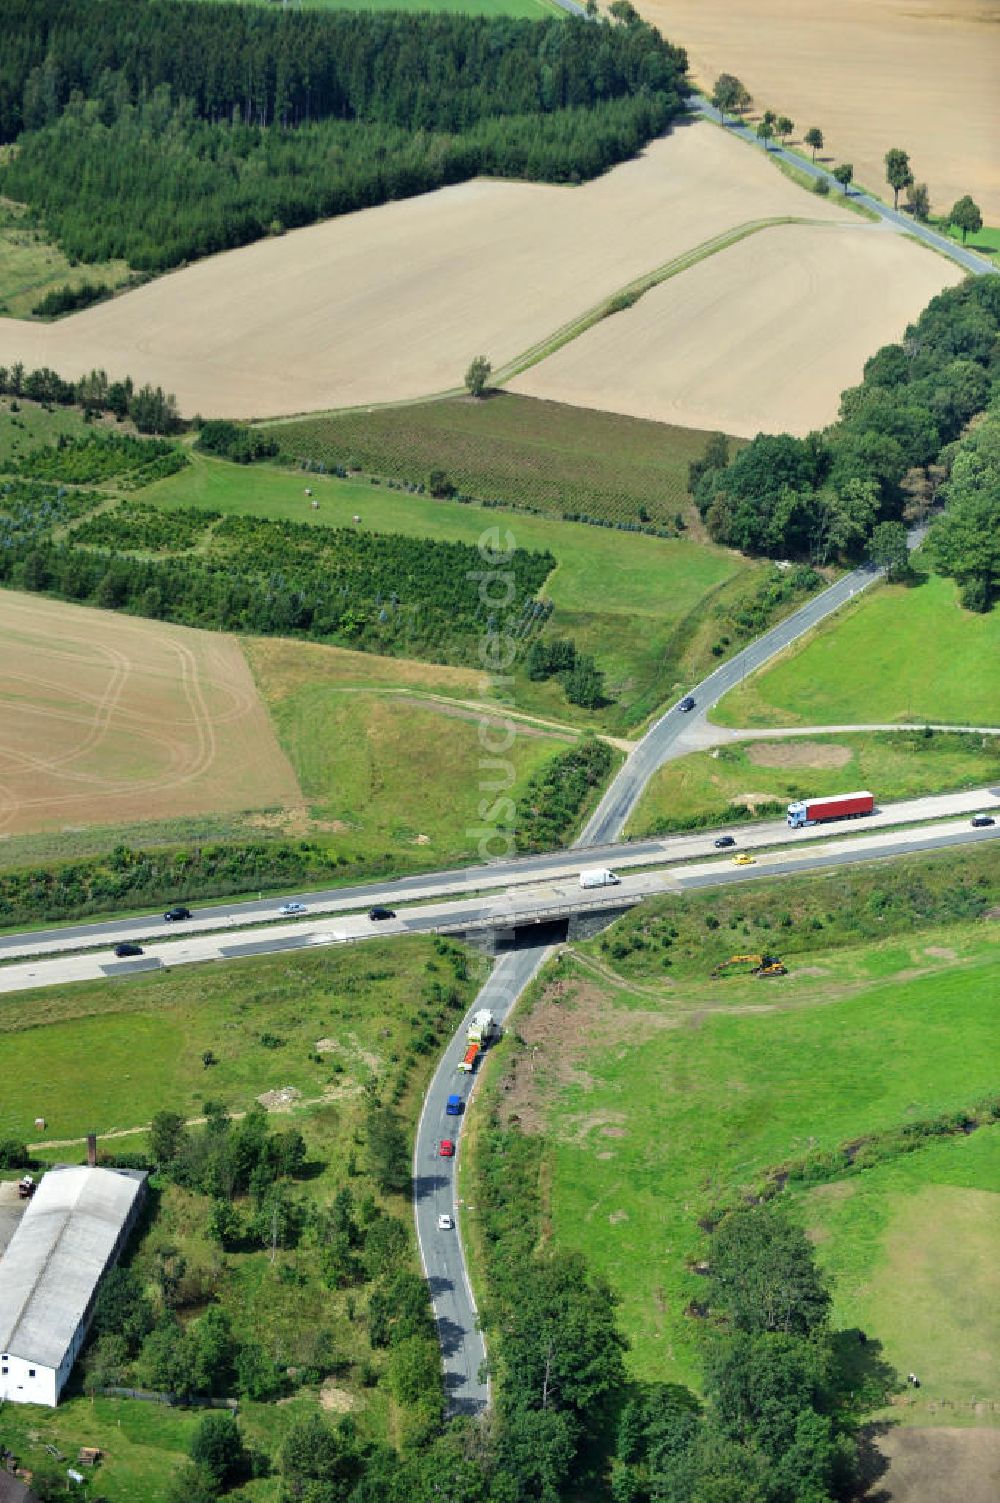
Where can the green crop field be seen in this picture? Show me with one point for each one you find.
(633, 601)
(898, 764)
(327, 1025)
(910, 1249)
(528, 453)
(900, 653)
(662, 1094)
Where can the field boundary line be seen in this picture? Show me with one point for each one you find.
(567, 332)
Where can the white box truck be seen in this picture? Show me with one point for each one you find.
(599, 876)
(483, 1028)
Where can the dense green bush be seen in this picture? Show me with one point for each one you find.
(68, 299)
(557, 793)
(102, 456)
(235, 441)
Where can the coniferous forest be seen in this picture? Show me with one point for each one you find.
(160, 130)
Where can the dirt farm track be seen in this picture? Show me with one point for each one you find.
(919, 74)
(392, 303)
(105, 718)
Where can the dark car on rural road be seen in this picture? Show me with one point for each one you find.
(127, 948)
(981, 821)
(178, 912)
(375, 914)
(687, 703)
(724, 842)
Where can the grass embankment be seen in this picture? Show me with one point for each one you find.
(342, 1022)
(906, 653)
(31, 265)
(544, 456)
(32, 425)
(639, 604)
(659, 1101)
(706, 786)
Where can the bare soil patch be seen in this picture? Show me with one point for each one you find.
(871, 73)
(941, 952)
(798, 754)
(334, 316)
(928, 1466)
(763, 336)
(569, 1022)
(105, 718)
(336, 1400)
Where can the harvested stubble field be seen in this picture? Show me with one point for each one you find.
(105, 718)
(334, 315)
(920, 74)
(764, 334)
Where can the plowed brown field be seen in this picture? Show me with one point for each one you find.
(104, 718)
(919, 74)
(394, 302)
(762, 336)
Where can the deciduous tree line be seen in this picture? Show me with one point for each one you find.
(883, 462)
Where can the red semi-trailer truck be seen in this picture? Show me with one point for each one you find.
(814, 811)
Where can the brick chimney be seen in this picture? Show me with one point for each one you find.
(92, 1149)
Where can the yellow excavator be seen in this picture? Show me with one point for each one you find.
(749, 965)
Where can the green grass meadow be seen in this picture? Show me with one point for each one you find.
(632, 600)
(545, 456)
(895, 764)
(32, 425)
(671, 1103)
(108, 1056)
(910, 1250)
(901, 653)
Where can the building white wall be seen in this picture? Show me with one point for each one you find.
(24, 1382)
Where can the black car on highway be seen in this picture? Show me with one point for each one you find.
(687, 703)
(375, 914)
(724, 842)
(981, 821)
(178, 912)
(127, 948)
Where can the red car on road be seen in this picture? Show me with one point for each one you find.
(446, 1148)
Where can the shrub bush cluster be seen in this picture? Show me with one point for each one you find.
(150, 408)
(235, 441)
(68, 299)
(555, 796)
(97, 457)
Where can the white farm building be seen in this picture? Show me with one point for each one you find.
(72, 1232)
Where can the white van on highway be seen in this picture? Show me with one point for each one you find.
(599, 876)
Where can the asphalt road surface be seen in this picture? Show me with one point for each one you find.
(658, 745)
(462, 1348)
(966, 259)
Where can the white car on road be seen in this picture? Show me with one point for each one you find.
(445, 1223)
(291, 910)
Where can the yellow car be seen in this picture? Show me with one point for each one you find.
(744, 860)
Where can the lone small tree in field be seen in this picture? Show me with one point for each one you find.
(844, 173)
(784, 127)
(918, 201)
(898, 173)
(477, 376)
(965, 216)
(814, 138)
(730, 96)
